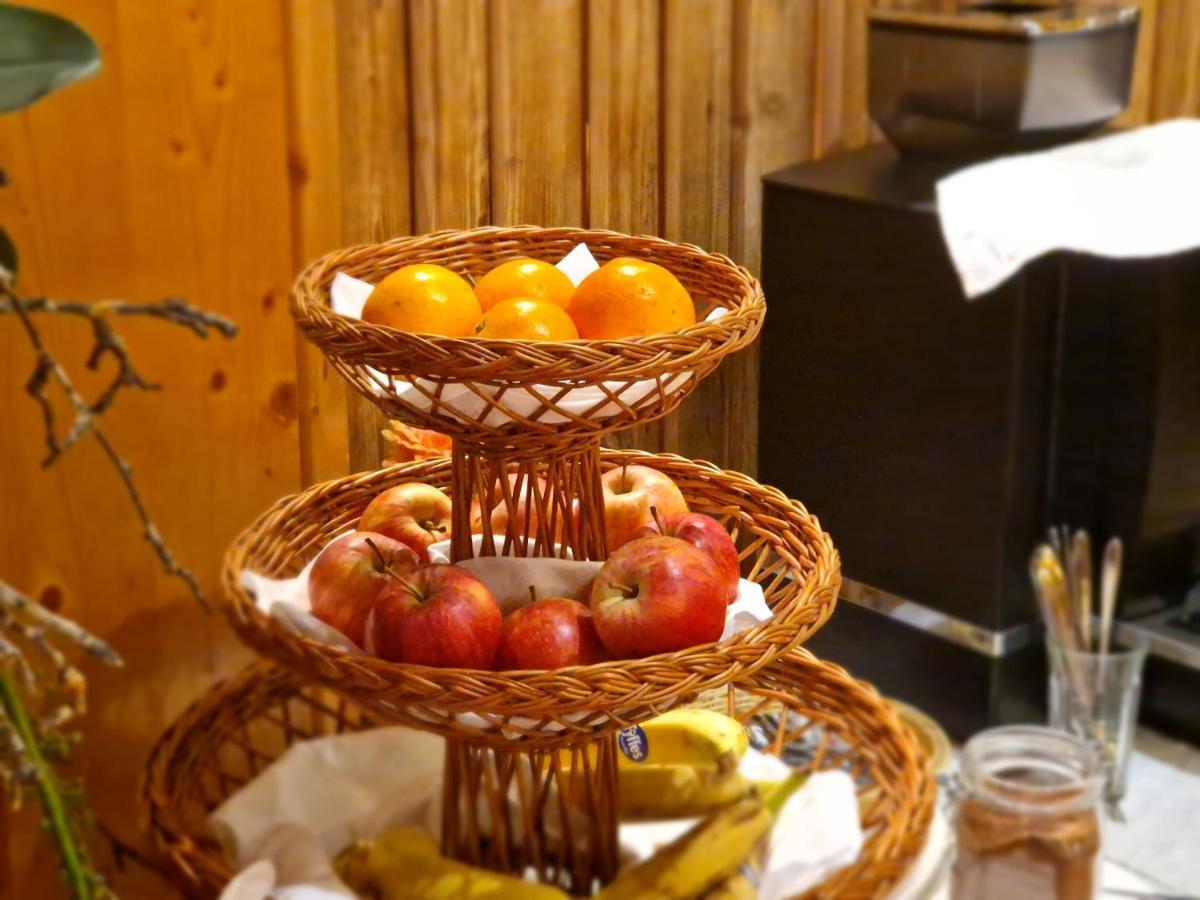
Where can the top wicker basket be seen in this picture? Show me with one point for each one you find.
(476, 388)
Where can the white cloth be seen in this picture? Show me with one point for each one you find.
(1133, 194)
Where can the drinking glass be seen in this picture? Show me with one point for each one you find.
(1096, 696)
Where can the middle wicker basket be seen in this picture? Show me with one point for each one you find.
(782, 548)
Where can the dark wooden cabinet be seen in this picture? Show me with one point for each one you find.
(936, 437)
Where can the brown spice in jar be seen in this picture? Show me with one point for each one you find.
(1028, 845)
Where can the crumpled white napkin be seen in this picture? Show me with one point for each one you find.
(319, 797)
(284, 827)
(348, 295)
(1133, 194)
(801, 856)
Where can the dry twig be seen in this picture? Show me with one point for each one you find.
(29, 745)
(47, 369)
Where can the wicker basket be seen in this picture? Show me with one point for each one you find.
(520, 390)
(782, 546)
(239, 727)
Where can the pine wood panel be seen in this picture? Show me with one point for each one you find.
(696, 167)
(374, 164)
(165, 175)
(624, 44)
(452, 174)
(1176, 90)
(1141, 91)
(316, 182)
(536, 111)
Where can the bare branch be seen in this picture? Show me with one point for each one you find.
(85, 420)
(109, 343)
(31, 739)
(173, 309)
(17, 603)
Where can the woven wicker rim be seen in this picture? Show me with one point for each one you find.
(187, 762)
(472, 253)
(804, 570)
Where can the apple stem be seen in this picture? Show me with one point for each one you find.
(383, 563)
(532, 594)
(657, 521)
(627, 591)
(624, 476)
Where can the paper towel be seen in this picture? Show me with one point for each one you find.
(1133, 194)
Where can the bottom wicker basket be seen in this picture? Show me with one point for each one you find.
(828, 719)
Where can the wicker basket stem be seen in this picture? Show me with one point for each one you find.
(544, 506)
(549, 810)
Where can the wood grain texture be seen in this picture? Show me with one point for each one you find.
(1176, 60)
(164, 175)
(375, 162)
(1141, 92)
(840, 118)
(316, 184)
(773, 74)
(696, 168)
(623, 189)
(773, 108)
(536, 111)
(452, 174)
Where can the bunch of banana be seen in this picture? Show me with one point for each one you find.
(684, 764)
(708, 857)
(405, 864)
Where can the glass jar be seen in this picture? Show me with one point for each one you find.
(1028, 823)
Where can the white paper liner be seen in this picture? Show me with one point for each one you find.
(284, 827)
(348, 295)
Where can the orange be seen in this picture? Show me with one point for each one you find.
(526, 319)
(426, 299)
(526, 277)
(629, 297)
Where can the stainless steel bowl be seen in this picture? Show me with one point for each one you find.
(984, 79)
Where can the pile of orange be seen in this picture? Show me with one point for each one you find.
(527, 299)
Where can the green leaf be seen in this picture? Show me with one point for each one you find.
(40, 53)
(8, 253)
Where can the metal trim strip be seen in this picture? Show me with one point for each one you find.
(950, 628)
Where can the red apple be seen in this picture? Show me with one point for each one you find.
(708, 536)
(549, 634)
(348, 575)
(413, 513)
(629, 493)
(437, 615)
(658, 595)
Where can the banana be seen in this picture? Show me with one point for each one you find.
(672, 792)
(404, 864)
(735, 887)
(698, 860)
(709, 854)
(685, 737)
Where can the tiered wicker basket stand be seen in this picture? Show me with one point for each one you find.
(527, 420)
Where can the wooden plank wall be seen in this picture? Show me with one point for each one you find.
(225, 144)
